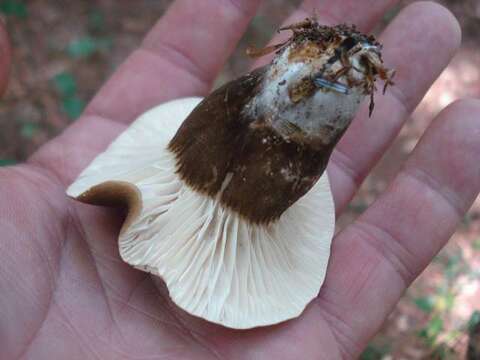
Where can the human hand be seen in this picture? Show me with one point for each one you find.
(65, 293)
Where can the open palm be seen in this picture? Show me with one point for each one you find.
(65, 293)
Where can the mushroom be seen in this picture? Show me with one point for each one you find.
(228, 198)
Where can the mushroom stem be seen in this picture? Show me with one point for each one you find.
(273, 130)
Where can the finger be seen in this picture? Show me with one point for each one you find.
(5, 58)
(419, 44)
(379, 255)
(179, 57)
(364, 14)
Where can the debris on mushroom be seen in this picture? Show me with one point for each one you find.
(228, 198)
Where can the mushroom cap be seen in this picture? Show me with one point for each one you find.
(216, 264)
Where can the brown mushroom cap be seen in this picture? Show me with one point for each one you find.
(216, 264)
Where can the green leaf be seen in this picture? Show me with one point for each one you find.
(73, 106)
(373, 352)
(449, 300)
(13, 8)
(65, 84)
(82, 47)
(435, 326)
(445, 299)
(425, 304)
(7, 162)
(474, 320)
(442, 352)
(431, 331)
(452, 335)
(453, 268)
(476, 244)
(423, 334)
(87, 46)
(28, 130)
(96, 20)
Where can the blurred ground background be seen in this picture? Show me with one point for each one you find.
(63, 52)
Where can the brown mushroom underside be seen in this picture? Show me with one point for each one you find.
(116, 194)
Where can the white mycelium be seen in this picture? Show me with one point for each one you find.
(324, 107)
